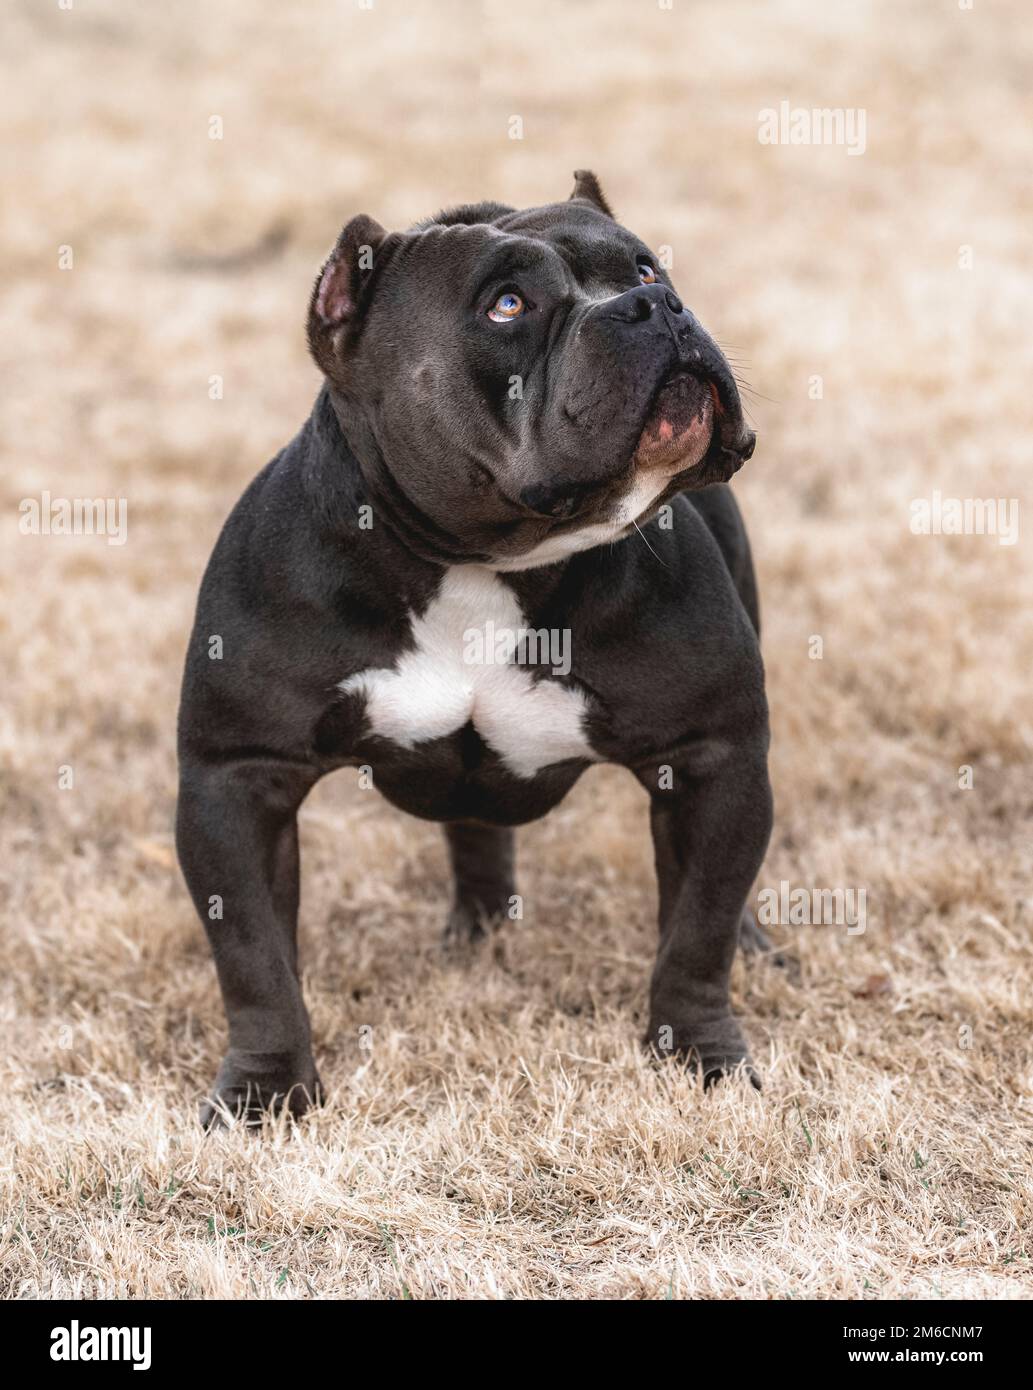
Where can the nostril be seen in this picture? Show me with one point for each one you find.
(643, 307)
(673, 302)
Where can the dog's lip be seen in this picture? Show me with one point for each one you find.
(742, 451)
(674, 378)
(680, 422)
(722, 451)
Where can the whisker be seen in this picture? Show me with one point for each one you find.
(652, 552)
(747, 388)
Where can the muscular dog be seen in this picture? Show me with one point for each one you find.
(522, 431)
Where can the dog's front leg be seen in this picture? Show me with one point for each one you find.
(236, 832)
(710, 832)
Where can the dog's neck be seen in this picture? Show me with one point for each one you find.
(354, 447)
(407, 545)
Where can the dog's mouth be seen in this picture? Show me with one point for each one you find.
(695, 421)
(693, 435)
(680, 423)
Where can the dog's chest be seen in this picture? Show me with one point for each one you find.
(468, 666)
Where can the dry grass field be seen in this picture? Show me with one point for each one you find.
(505, 1137)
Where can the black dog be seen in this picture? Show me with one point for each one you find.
(500, 549)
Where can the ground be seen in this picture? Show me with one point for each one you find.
(493, 1130)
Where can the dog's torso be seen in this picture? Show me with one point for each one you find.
(466, 693)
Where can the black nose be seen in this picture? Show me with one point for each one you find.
(551, 499)
(639, 304)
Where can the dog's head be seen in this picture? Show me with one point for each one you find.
(520, 385)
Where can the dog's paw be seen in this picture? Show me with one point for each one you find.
(253, 1085)
(712, 1048)
(467, 924)
(463, 927)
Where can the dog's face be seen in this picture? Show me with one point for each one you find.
(520, 385)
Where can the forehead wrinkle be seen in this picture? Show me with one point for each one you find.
(513, 254)
(440, 248)
(594, 262)
(599, 262)
(594, 267)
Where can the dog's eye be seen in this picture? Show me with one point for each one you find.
(646, 273)
(507, 306)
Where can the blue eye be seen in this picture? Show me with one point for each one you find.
(507, 306)
(646, 273)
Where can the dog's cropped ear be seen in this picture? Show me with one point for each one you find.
(339, 294)
(587, 189)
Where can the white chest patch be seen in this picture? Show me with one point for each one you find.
(434, 689)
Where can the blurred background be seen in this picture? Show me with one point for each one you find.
(879, 306)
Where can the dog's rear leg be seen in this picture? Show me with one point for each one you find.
(482, 865)
(236, 832)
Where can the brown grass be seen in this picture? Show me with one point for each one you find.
(505, 1137)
